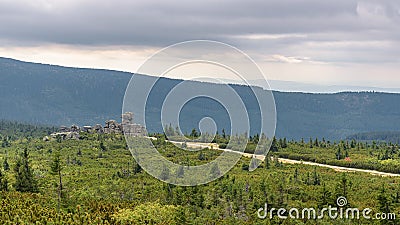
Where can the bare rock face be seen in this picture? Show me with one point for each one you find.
(75, 128)
(134, 130)
(64, 129)
(98, 129)
(72, 135)
(111, 127)
(130, 128)
(87, 129)
(65, 135)
(127, 118)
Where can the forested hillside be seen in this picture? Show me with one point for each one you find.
(14, 130)
(387, 136)
(53, 95)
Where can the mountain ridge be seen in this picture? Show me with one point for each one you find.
(57, 95)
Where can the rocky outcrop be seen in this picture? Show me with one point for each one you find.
(111, 127)
(65, 135)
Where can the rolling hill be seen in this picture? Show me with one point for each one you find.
(55, 95)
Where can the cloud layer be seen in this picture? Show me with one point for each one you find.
(339, 32)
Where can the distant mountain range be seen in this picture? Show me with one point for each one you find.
(293, 86)
(386, 136)
(55, 95)
(314, 88)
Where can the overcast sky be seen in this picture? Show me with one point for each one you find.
(340, 42)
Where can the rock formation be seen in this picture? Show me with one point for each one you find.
(111, 127)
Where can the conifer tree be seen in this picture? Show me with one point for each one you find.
(56, 168)
(267, 163)
(25, 180)
(180, 172)
(343, 186)
(223, 133)
(6, 166)
(3, 182)
(384, 201)
(136, 167)
(296, 175)
(284, 144)
(274, 145)
(164, 173)
(102, 146)
(316, 142)
(325, 196)
(316, 179)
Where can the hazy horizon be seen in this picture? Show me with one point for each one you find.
(337, 43)
(276, 85)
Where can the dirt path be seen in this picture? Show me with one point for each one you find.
(287, 161)
(339, 168)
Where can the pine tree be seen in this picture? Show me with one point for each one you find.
(245, 167)
(25, 181)
(316, 179)
(267, 163)
(5, 142)
(164, 173)
(3, 182)
(296, 175)
(194, 134)
(274, 145)
(339, 154)
(180, 172)
(56, 168)
(316, 142)
(102, 146)
(277, 163)
(170, 130)
(343, 186)
(177, 131)
(307, 179)
(384, 200)
(353, 144)
(6, 166)
(223, 133)
(201, 156)
(136, 167)
(284, 144)
(325, 196)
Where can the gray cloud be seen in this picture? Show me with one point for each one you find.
(322, 25)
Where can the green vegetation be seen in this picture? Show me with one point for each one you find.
(64, 96)
(10, 131)
(384, 157)
(95, 180)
